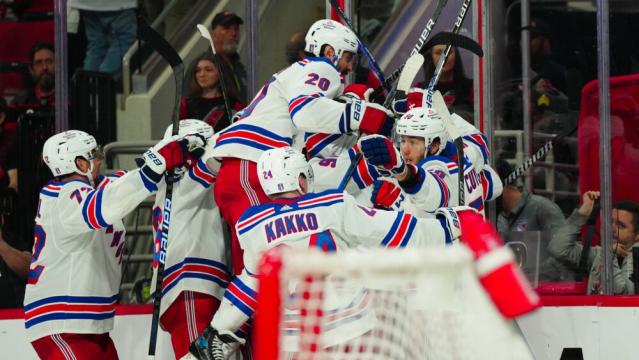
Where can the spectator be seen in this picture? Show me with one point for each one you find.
(565, 244)
(456, 88)
(205, 101)
(8, 144)
(111, 28)
(523, 211)
(42, 68)
(15, 257)
(225, 32)
(295, 47)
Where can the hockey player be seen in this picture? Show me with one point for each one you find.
(195, 273)
(296, 217)
(74, 279)
(296, 100)
(427, 169)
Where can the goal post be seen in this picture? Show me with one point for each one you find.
(378, 304)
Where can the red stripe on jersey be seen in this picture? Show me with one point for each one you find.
(364, 174)
(91, 212)
(401, 232)
(62, 307)
(197, 171)
(254, 137)
(321, 199)
(242, 296)
(255, 218)
(195, 268)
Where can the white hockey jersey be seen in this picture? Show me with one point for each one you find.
(328, 220)
(298, 99)
(195, 255)
(438, 183)
(74, 279)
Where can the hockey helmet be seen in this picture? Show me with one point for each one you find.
(190, 126)
(60, 151)
(425, 123)
(279, 170)
(330, 32)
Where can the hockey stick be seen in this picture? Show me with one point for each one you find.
(450, 127)
(440, 106)
(168, 53)
(442, 59)
(430, 24)
(456, 40)
(207, 35)
(367, 54)
(399, 90)
(541, 152)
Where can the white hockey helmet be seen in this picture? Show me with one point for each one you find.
(425, 123)
(60, 151)
(191, 126)
(279, 170)
(330, 32)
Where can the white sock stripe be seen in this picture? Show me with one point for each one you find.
(64, 347)
(246, 184)
(187, 311)
(249, 190)
(242, 182)
(492, 260)
(192, 319)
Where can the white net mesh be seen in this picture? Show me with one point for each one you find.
(389, 304)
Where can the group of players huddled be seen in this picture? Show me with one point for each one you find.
(254, 177)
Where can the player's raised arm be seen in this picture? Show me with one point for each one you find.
(71, 156)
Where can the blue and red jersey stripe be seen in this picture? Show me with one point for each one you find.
(92, 210)
(195, 268)
(401, 231)
(299, 102)
(253, 136)
(201, 174)
(242, 296)
(316, 142)
(69, 308)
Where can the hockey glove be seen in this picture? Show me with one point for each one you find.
(386, 194)
(370, 118)
(416, 98)
(170, 154)
(215, 345)
(449, 219)
(380, 152)
(359, 91)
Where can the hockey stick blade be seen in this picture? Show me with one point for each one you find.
(367, 54)
(168, 53)
(406, 78)
(423, 36)
(207, 35)
(440, 106)
(456, 40)
(411, 68)
(161, 45)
